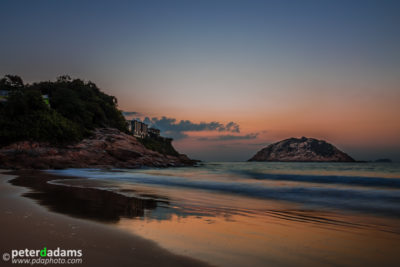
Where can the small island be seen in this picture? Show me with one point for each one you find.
(302, 150)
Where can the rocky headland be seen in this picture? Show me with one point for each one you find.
(106, 148)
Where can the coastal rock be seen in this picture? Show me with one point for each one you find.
(106, 148)
(302, 150)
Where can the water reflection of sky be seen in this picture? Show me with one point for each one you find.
(284, 239)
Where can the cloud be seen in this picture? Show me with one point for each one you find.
(238, 137)
(233, 127)
(177, 129)
(229, 137)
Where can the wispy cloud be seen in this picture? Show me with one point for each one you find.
(232, 127)
(229, 137)
(177, 129)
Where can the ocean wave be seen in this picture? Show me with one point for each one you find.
(379, 201)
(325, 179)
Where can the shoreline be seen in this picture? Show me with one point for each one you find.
(25, 224)
(200, 226)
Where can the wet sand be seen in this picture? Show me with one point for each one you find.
(25, 224)
(114, 228)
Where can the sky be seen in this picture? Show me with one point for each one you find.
(225, 78)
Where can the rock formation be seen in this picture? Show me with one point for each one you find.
(107, 148)
(302, 150)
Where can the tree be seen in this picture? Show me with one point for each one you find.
(76, 108)
(64, 79)
(11, 82)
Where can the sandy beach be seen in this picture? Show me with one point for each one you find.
(25, 224)
(135, 218)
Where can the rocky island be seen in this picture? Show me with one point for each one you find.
(302, 150)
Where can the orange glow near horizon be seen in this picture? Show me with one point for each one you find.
(357, 121)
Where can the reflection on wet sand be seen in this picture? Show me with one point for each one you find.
(82, 202)
(265, 240)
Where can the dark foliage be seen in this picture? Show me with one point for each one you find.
(76, 107)
(160, 144)
(11, 82)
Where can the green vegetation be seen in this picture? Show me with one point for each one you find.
(73, 110)
(160, 144)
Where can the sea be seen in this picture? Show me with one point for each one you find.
(263, 213)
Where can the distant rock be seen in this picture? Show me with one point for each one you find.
(383, 160)
(107, 148)
(302, 150)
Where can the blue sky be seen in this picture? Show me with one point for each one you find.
(325, 69)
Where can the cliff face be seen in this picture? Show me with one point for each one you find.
(301, 150)
(107, 148)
